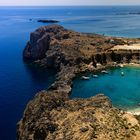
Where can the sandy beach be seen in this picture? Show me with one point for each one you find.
(135, 111)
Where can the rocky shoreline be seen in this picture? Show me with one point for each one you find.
(51, 114)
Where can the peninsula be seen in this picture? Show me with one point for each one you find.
(52, 114)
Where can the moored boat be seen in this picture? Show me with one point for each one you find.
(104, 71)
(85, 78)
(122, 73)
(95, 76)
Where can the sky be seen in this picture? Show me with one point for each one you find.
(66, 2)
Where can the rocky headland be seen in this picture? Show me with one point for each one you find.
(51, 114)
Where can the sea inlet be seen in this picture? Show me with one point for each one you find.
(123, 90)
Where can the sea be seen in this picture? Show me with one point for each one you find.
(123, 90)
(19, 81)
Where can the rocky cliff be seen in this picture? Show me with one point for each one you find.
(51, 114)
(53, 46)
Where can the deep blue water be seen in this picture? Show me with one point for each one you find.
(124, 91)
(19, 82)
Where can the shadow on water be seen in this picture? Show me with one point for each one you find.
(39, 74)
(26, 82)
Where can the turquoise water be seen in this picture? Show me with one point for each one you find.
(20, 82)
(124, 91)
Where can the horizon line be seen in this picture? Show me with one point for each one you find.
(67, 5)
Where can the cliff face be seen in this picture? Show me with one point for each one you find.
(51, 114)
(53, 46)
(40, 42)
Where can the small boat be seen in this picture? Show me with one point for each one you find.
(122, 73)
(95, 76)
(104, 71)
(85, 78)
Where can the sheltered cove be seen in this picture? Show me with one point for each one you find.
(51, 114)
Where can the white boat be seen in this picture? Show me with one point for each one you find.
(104, 71)
(95, 76)
(122, 73)
(85, 78)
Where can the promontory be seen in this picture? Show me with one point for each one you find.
(51, 114)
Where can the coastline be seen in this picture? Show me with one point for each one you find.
(134, 111)
(77, 53)
(136, 64)
(21, 85)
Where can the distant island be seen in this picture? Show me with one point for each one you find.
(47, 21)
(130, 13)
(52, 114)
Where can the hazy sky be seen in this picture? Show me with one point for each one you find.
(69, 2)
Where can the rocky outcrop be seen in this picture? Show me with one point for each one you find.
(40, 42)
(54, 45)
(51, 114)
